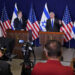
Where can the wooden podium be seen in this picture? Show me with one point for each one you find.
(45, 36)
(18, 35)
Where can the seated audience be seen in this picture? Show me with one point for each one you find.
(52, 66)
(4, 66)
(19, 22)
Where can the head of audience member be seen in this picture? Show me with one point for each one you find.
(53, 49)
(19, 14)
(1, 54)
(52, 15)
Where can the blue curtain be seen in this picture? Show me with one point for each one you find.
(56, 6)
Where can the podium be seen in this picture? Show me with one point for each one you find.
(18, 35)
(46, 36)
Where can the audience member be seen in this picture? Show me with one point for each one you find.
(52, 66)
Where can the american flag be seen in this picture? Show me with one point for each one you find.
(32, 24)
(67, 25)
(5, 22)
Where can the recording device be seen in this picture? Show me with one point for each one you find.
(3, 50)
(27, 49)
(6, 56)
(21, 41)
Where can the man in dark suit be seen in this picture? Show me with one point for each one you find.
(4, 66)
(53, 25)
(52, 66)
(19, 22)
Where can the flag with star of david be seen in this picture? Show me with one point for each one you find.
(44, 18)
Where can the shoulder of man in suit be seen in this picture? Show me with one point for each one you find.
(57, 20)
(24, 19)
(48, 20)
(16, 19)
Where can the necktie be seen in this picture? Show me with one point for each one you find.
(21, 20)
(52, 23)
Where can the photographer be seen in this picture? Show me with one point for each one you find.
(4, 66)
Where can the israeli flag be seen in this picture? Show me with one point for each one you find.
(73, 32)
(44, 18)
(14, 16)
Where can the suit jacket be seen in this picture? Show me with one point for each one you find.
(19, 25)
(51, 67)
(4, 68)
(56, 27)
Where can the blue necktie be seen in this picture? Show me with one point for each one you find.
(52, 23)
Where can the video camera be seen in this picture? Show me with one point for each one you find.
(27, 49)
(3, 52)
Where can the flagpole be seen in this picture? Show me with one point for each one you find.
(69, 44)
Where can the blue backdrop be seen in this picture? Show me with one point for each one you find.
(56, 6)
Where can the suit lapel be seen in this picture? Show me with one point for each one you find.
(54, 22)
(50, 23)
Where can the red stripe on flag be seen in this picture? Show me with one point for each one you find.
(64, 34)
(4, 33)
(37, 25)
(32, 30)
(67, 31)
(35, 29)
(4, 27)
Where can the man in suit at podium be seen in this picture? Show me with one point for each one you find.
(19, 22)
(53, 25)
